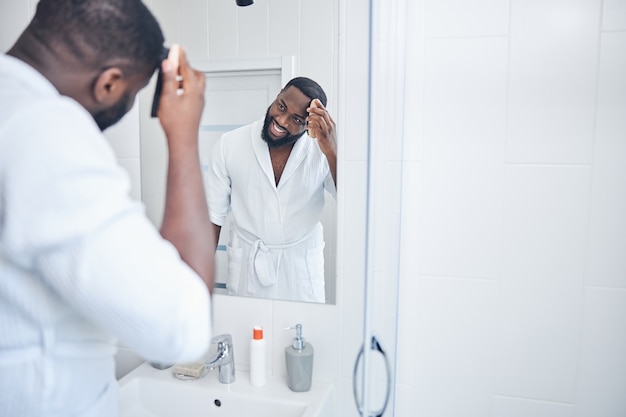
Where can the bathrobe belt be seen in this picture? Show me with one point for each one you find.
(260, 258)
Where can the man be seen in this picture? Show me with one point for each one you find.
(272, 177)
(80, 265)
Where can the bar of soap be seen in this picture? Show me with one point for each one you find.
(193, 369)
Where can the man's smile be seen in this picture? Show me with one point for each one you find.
(277, 131)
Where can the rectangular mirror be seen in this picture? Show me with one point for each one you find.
(239, 91)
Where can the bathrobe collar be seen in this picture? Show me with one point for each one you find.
(299, 152)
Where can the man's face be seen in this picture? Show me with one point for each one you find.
(285, 120)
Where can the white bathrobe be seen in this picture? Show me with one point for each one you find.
(81, 266)
(276, 243)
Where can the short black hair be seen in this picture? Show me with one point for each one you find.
(310, 88)
(98, 31)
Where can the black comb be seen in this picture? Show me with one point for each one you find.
(159, 85)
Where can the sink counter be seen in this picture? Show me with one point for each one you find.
(149, 392)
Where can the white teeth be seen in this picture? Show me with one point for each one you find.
(278, 128)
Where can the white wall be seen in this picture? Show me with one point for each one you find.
(513, 265)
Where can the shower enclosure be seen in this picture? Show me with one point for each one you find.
(374, 369)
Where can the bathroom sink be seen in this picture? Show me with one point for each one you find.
(148, 392)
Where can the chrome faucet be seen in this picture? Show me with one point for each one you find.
(224, 359)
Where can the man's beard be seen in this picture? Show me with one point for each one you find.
(107, 118)
(277, 143)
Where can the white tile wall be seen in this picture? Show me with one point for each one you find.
(168, 14)
(464, 131)
(17, 16)
(517, 176)
(124, 138)
(414, 102)
(283, 31)
(194, 30)
(522, 407)
(552, 76)
(409, 288)
(462, 18)
(541, 287)
(253, 29)
(222, 29)
(614, 15)
(237, 316)
(353, 61)
(454, 313)
(607, 235)
(319, 30)
(602, 368)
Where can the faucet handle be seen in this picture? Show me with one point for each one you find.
(224, 359)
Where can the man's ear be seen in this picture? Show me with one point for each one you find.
(109, 87)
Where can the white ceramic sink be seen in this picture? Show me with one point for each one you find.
(148, 392)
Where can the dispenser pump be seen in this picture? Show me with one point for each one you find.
(299, 360)
(298, 341)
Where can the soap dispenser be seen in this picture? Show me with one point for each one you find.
(299, 358)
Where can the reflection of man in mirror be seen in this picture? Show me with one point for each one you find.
(272, 176)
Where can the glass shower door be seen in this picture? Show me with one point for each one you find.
(374, 371)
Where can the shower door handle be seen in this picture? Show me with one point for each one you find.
(374, 345)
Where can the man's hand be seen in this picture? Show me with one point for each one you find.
(322, 127)
(182, 98)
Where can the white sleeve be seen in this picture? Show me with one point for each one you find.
(72, 221)
(218, 186)
(130, 282)
(329, 185)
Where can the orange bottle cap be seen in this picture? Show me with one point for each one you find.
(257, 333)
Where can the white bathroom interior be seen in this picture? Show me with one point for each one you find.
(493, 140)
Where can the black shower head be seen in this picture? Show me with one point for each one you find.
(244, 2)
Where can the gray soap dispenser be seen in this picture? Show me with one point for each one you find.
(299, 357)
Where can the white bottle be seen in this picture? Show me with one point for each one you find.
(257, 358)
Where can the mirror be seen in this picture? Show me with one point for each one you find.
(241, 84)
